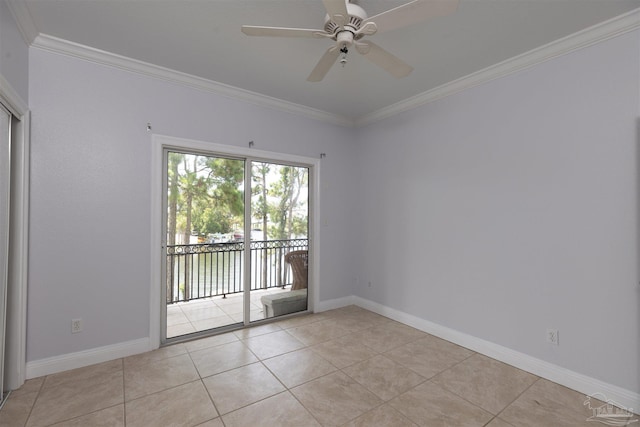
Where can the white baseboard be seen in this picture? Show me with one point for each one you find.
(334, 303)
(573, 380)
(65, 362)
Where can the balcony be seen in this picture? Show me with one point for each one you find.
(205, 282)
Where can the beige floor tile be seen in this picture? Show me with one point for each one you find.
(155, 355)
(216, 422)
(243, 386)
(547, 403)
(78, 393)
(298, 367)
(424, 380)
(17, 408)
(318, 332)
(255, 331)
(254, 315)
(29, 386)
(195, 304)
(110, 417)
(179, 330)
(359, 320)
(186, 405)
(200, 301)
(387, 336)
(382, 416)
(230, 309)
(348, 323)
(429, 356)
(346, 309)
(281, 410)
(485, 382)
(212, 323)
(343, 351)
(497, 422)
(213, 341)
(335, 399)
(19, 404)
(384, 377)
(547, 391)
(202, 313)
(143, 379)
(175, 316)
(273, 344)
(305, 319)
(430, 405)
(361, 313)
(215, 360)
(230, 300)
(87, 373)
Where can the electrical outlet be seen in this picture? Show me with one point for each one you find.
(76, 326)
(553, 336)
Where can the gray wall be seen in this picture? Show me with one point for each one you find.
(90, 188)
(500, 212)
(14, 54)
(512, 207)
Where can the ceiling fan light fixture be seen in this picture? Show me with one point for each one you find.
(344, 39)
(343, 59)
(347, 24)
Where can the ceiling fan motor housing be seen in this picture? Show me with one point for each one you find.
(352, 24)
(346, 23)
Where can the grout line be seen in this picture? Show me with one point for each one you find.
(33, 405)
(330, 315)
(518, 397)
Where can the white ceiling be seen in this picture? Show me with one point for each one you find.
(203, 38)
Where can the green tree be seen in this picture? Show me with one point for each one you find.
(226, 202)
(173, 162)
(287, 192)
(260, 208)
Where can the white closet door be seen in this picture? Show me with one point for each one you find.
(5, 175)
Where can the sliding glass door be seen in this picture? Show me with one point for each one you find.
(280, 239)
(237, 241)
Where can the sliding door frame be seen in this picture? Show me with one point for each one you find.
(16, 332)
(160, 143)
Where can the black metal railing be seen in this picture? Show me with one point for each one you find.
(216, 269)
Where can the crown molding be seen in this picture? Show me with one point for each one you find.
(23, 19)
(598, 33)
(14, 102)
(57, 45)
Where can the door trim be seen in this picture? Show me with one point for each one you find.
(16, 332)
(161, 142)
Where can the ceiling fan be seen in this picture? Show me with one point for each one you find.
(347, 24)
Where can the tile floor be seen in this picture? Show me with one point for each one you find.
(200, 315)
(345, 367)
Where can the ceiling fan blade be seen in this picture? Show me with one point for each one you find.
(368, 29)
(324, 65)
(412, 13)
(390, 63)
(337, 10)
(283, 32)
